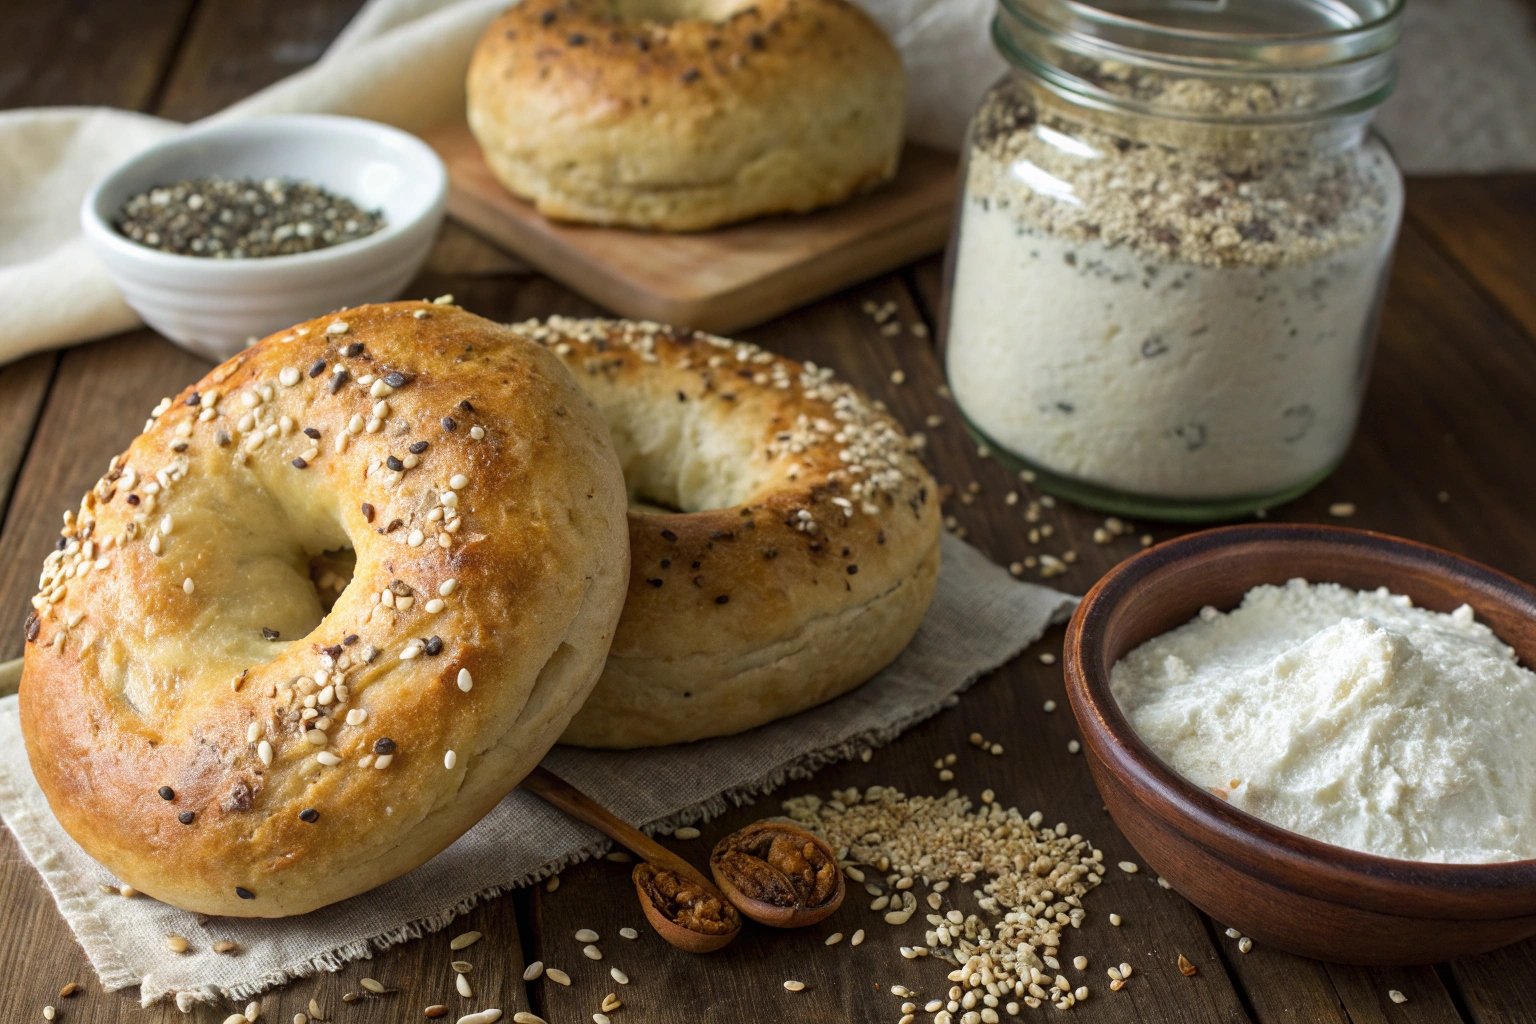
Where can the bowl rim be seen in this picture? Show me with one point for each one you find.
(100, 231)
(1154, 781)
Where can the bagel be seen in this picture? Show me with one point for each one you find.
(784, 537)
(207, 729)
(683, 115)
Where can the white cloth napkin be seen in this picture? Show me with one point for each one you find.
(1463, 106)
(980, 618)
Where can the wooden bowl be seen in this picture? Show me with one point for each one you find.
(1282, 888)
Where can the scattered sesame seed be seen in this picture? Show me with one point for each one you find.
(1115, 919)
(794, 986)
(1396, 996)
(187, 585)
(591, 952)
(1073, 746)
(628, 933)
(177, 944)
(461, 982)
(1341, 509)
(686, 832)
(466, 681)
(1244, 944)
(1129, 867)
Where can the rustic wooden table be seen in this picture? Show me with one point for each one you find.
(1444, 455)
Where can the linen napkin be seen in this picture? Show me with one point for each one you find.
(1462, 107)
(980, 618)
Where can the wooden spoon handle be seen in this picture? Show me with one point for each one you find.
(583, 808)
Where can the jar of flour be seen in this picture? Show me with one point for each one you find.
(1171, 248)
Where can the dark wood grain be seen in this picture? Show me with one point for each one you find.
(234, 47)
(1487, 225)
(75, 52)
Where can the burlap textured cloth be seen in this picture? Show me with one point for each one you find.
(980, 618)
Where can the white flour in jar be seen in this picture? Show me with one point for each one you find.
(1349, 716)
(1161, 321)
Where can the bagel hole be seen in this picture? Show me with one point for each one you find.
(330, 572)
(680, 461)
(666, 12)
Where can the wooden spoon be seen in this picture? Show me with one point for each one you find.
(682, 905)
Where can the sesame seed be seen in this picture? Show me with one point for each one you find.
(1115, 919)
(458, 481)
(337, 327)
(466, 681)
(450, 759)
(1129, 867)
(591, 952)
(461, 983)
(177, 944)
(383, 761)
(628, 933)
(1244, 944)
(586, 935)
(857, 939)
(435, 605)
(794, 986)
(372, 985)
(1341, 509)
(1073, 746)
(328, 759)
(1396, 996)
(686, 832)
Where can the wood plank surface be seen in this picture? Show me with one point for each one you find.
(714, 280)
(1444, 441)
(1488, 226)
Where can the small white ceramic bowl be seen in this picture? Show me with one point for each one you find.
(215, 306)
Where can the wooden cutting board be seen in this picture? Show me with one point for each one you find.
(720, 280)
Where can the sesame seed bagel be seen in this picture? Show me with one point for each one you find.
(784, 537)
(206, 728)
(683, 115)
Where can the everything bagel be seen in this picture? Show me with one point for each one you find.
(205, 727)
(685, 114)
(784, 537)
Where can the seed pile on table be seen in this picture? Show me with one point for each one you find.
(229, 218)
(1032, 879)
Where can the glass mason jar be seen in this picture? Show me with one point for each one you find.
(1171, 246)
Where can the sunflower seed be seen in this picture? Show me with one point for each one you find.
(557, 976)
(591, 952)
(461, 983)
(533, 970)
(619, 976)
(464, 941)
(524, 1017)
(587, 935)
(794, 986)
(483, 1017)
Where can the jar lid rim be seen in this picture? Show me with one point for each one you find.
(1374, 30)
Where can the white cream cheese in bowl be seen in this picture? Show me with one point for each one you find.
(1349, 716)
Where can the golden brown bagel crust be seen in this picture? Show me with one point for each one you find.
(807, 551)
(686, 114)
(447, 450)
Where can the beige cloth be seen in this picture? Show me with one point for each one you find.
(980, 619)
(1463, 107)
